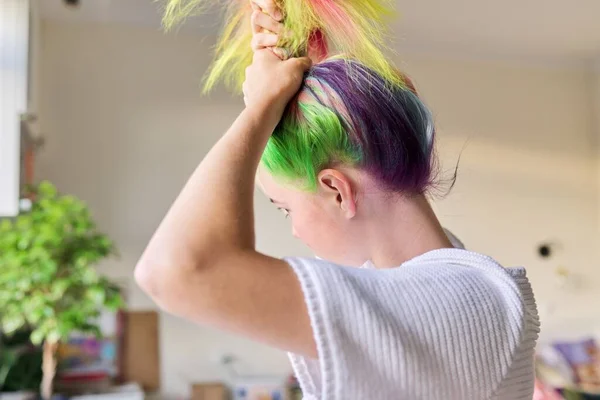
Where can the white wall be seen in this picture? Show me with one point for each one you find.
(35, 73)
(126, 125)
(595, 88)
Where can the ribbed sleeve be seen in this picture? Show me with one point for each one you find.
(449, 325)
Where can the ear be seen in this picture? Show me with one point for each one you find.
(339, 187)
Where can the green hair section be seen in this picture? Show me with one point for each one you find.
(307, 141)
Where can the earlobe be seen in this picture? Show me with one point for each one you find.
(350, 207)
(340, 186)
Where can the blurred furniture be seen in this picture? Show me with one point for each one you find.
(141, 357)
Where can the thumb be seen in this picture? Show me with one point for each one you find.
(305, 63)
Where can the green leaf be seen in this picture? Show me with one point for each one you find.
(34, 316)
(5, 225)
(54, 336)
(24, 283)
(114, 302)
(24, 242)
(24, 222)
(59, 287)
(96, 294)
(89, 276)
(37, 337)
(12, 323)
(69, 202)
(48, 311)
(46, 189)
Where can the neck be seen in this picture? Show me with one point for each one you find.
(400, 229)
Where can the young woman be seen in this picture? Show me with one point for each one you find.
(349, 159)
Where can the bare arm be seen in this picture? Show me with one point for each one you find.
(201, 263)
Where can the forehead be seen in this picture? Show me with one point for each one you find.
(271, 187)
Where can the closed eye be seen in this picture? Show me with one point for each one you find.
(285, 211)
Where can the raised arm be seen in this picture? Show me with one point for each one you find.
(201, 263)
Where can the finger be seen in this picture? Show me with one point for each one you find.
(270, 8)
(256, 27)
(262, 40)
(282, 53)
(261, 21)
(265, 55)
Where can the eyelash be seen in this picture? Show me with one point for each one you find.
(285, 211)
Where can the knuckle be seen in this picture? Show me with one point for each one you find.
(260, 17)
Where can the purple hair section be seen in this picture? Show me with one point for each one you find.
(389, 123)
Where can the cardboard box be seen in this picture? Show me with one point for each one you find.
(209, 391)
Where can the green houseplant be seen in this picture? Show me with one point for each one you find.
(48, 280)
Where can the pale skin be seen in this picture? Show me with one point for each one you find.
(202, 264)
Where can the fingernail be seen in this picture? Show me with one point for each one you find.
(277, 15)
(277, 52)
(282, 53)
(286, 33)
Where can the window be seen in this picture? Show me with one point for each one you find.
(14, 55)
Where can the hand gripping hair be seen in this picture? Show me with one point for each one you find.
(317, 28)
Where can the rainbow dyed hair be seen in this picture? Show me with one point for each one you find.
(318, 28)
(348, 114)
(353, 109)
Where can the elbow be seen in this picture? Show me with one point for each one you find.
(157, 283)
(165, 283)
(146, 278)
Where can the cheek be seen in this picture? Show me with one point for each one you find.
(326, 237)
(310, 228)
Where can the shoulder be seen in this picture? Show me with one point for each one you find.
(448, 266)
(450, 282)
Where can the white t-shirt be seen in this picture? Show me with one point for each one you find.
(449, 325)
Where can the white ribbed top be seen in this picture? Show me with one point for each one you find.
(450, 325)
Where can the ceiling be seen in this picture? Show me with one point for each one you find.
(548, 31)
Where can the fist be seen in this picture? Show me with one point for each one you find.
(271, 82)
